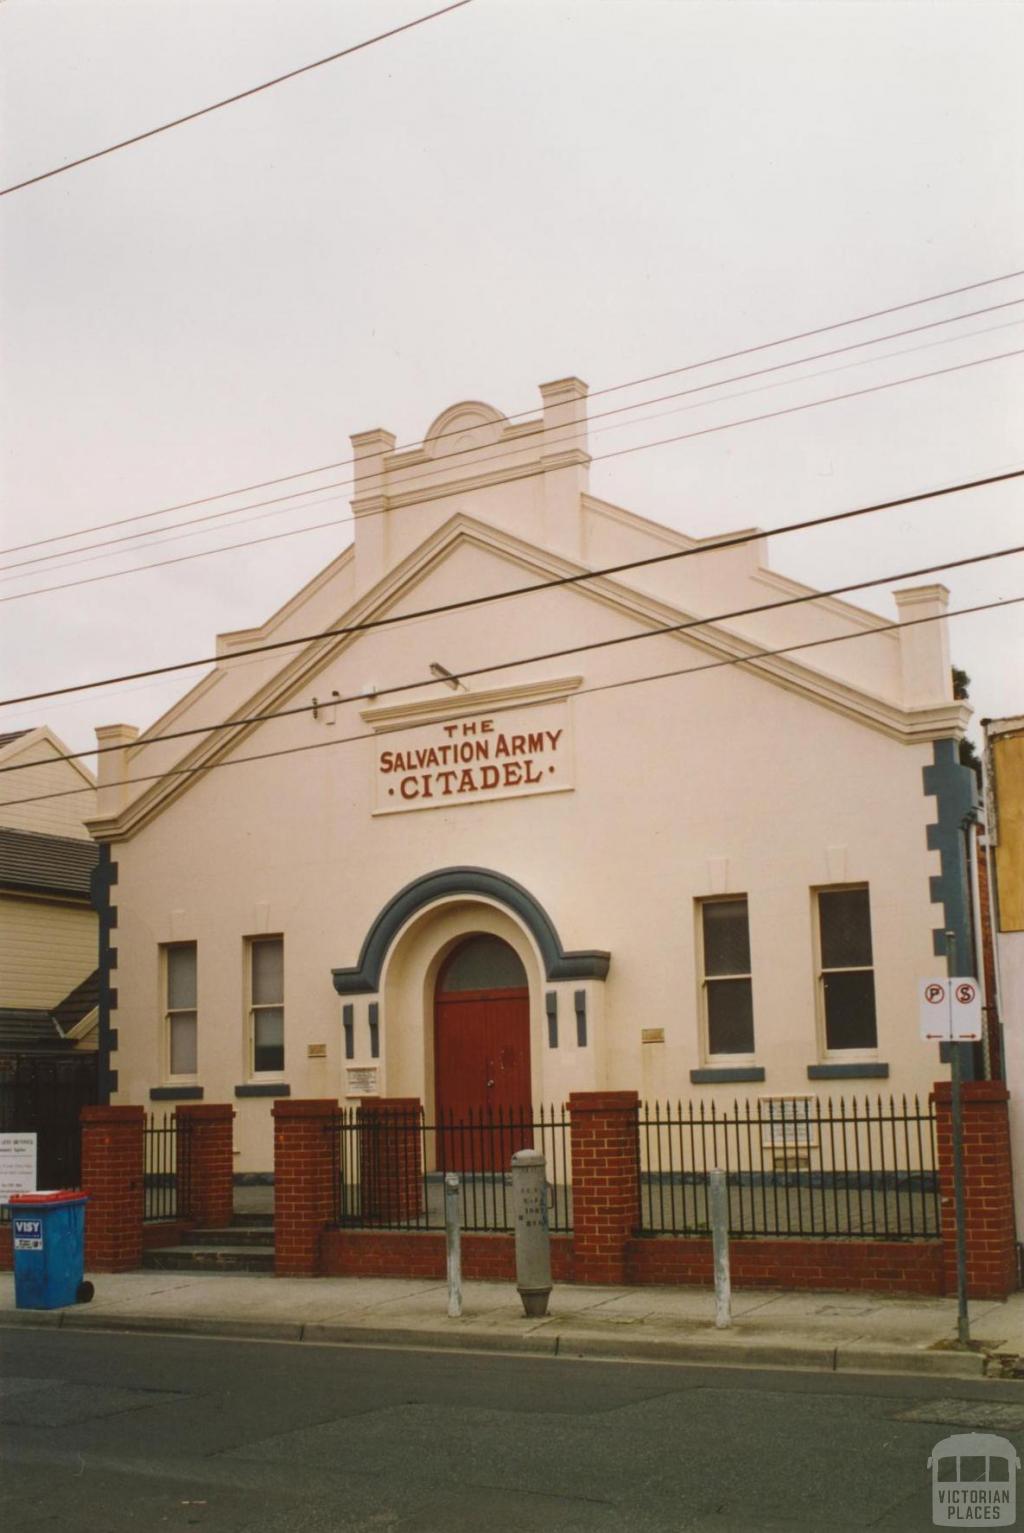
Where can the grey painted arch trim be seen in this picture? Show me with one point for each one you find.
(364, 978)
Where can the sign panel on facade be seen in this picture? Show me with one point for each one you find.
(950, 1009)
(17, 1164)
(362, 1081)
(786, 1121)
(466, 760)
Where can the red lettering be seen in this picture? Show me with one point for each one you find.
(467, 782)
(531, 774)
(554, 736)
(386, 761)
(513, 773)
(489, 777)
(408, 788)
(446, 779)
(486, 726)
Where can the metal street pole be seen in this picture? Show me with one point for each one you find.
(453, 1244)
(963, 1324)
(719, 1200)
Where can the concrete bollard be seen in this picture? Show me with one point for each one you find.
(453, 1242)
(533, 1237)
(719, 1199)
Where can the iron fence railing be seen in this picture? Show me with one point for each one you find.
(795, 1166)
(161, 1166)
(390, 1166)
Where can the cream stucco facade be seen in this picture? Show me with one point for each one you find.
(565, 804)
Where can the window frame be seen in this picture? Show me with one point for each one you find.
(169, 1012)
(826, 1054)
(252, 1007)
(704, 979)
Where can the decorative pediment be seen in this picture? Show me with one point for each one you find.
(468, 424)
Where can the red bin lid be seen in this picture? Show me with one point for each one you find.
(64, 1195)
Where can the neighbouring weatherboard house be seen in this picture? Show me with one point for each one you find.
(48, 927)
(49, 937)
(456, 871)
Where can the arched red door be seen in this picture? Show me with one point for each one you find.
(481, 1052)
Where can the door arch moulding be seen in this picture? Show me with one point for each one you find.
(364, 977)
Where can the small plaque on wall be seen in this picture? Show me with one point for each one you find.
(362, 1082)
(652, 1035)
(316, 1051)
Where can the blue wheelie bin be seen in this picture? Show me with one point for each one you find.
(48, 1235)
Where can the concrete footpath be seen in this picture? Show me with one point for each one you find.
(829, 1332)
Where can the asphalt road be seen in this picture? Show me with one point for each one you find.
(104, 1433)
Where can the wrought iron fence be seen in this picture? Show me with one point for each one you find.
(390, 1167)
(161, 1166)
(795, 1166)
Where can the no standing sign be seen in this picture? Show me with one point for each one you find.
(950, 1010)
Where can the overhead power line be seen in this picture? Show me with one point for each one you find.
(728, 356)
(667, 629)
(529, 473)
(749, 658)
(242, 95)
(70, 555)
(717, 545)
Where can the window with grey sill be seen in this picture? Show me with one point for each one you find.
(727, 985)
(847, 975)
(266, 1013)
(181, 1012)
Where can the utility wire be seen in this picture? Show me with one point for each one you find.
(515, 706)
(556, 654)
(520, 474)
(729, 356)
(242, 95)
(546, 585)
(212, 516)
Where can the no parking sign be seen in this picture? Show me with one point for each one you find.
(950, 1009)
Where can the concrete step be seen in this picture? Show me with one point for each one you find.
(222, 1258)
(235, 1235)
(254, 1221)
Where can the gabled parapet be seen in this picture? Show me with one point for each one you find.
(468, 452)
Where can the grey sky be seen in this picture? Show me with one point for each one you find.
(509, 194)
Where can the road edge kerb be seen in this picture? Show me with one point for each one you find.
(581, 1346)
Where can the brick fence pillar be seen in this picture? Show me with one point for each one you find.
(988, 1188)
(305, 1158)
(605, 1182)
(204, 1155)
(390, 1159)
(112, 1175)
